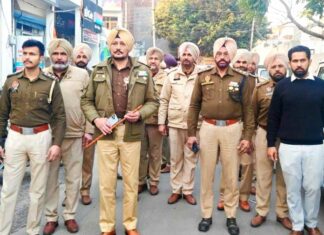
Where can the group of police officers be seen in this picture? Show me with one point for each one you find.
(217, 114)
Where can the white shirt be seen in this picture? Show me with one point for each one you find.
(310, 77)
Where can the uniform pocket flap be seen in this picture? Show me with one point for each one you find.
(175, 106)
(141, 80)
(99, 78)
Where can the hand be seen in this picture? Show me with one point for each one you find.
(163, 130)
(191, 140)
(132, 116)
(251, 149)
(243, 146)
(101, 124)
(54, 153)
(86, 139)
(273, 153)
(2, 155)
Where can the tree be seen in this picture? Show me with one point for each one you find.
(203, 21)
(313, 10)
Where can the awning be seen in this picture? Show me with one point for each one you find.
(29, 20)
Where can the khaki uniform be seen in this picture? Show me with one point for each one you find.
(124, 143)
(151, 149)
(174, 104)
(88, 159)
(264, 167)
(28, 104)
(217, 98)
(73, 85)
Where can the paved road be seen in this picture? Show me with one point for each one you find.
(156, 217)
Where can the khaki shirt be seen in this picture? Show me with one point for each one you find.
(261, 100)
(158, 79)
(211, 97)
(27, 104)
(98, 99)
(73, 85)
(175, 98)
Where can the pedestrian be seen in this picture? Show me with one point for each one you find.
(253, 65)
(276, 65)
(296, 116)
(119, 85)
(222, 96)
(173, 112)
(81, 57)
(240, 62)
(151, 149)
(73, 82)
(33, 102)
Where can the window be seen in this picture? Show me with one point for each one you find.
(110, 22)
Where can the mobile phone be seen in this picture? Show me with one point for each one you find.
(195, 147)
(112, 120)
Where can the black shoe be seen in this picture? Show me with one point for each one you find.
(205, 224)
(232, 227)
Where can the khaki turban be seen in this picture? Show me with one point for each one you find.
(124, 35)
(155, 50)
(275, 56)
(255, 57)
(242, 54)
(191, 47)
(60, 42)
(228, 43)
(82, 47)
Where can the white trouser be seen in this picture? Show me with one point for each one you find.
(303, 168)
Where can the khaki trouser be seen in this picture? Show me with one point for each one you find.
(225, 138)
(87, 166)
(72, 162)
(151, 155)
(264, 169)
(110, 153)
(183, 162)
(165, 150)
(19, 148)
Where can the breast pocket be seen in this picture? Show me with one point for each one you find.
(139, 90)
(208, 91)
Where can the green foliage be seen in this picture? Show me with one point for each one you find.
(313, 7)
(203, 21)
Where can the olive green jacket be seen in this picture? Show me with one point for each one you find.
(97, 100)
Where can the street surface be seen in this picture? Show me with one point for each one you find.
(156, 217)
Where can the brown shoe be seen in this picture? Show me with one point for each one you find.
(132, 232)
(253, 190)
(245, 206)
(190, 199)
(50, 228)
(313, 231)
(286, 223)
(258, 220)
(174, 198)
(293, 232)
(154, 190)
(220, 205)
(109, 233)
(166, 169)
(71, 225)
(142, 188)
(86, 200)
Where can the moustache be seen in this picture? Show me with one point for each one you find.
(118, 51)
(27, 61)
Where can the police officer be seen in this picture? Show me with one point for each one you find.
(174, 104)
(151, 149)
(119, 85)
(81, 56)
(222, 96)
(34, 104)
(277, 65)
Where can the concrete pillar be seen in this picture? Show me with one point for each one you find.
(78, 33)
(6, 49)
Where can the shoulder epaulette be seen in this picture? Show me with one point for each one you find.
(50, 75)
(241, 72)
(168, 71)
(262, 83)
(19, 73)
(205, 68)
(142, 63)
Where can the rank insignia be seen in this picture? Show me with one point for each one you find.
(14, 86)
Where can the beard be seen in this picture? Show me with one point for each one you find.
(300, 73)
(277, 77)
(81, 64)
(222, 64)
(60, 67)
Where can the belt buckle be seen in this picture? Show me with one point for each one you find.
(27, 130)
(220, 123)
